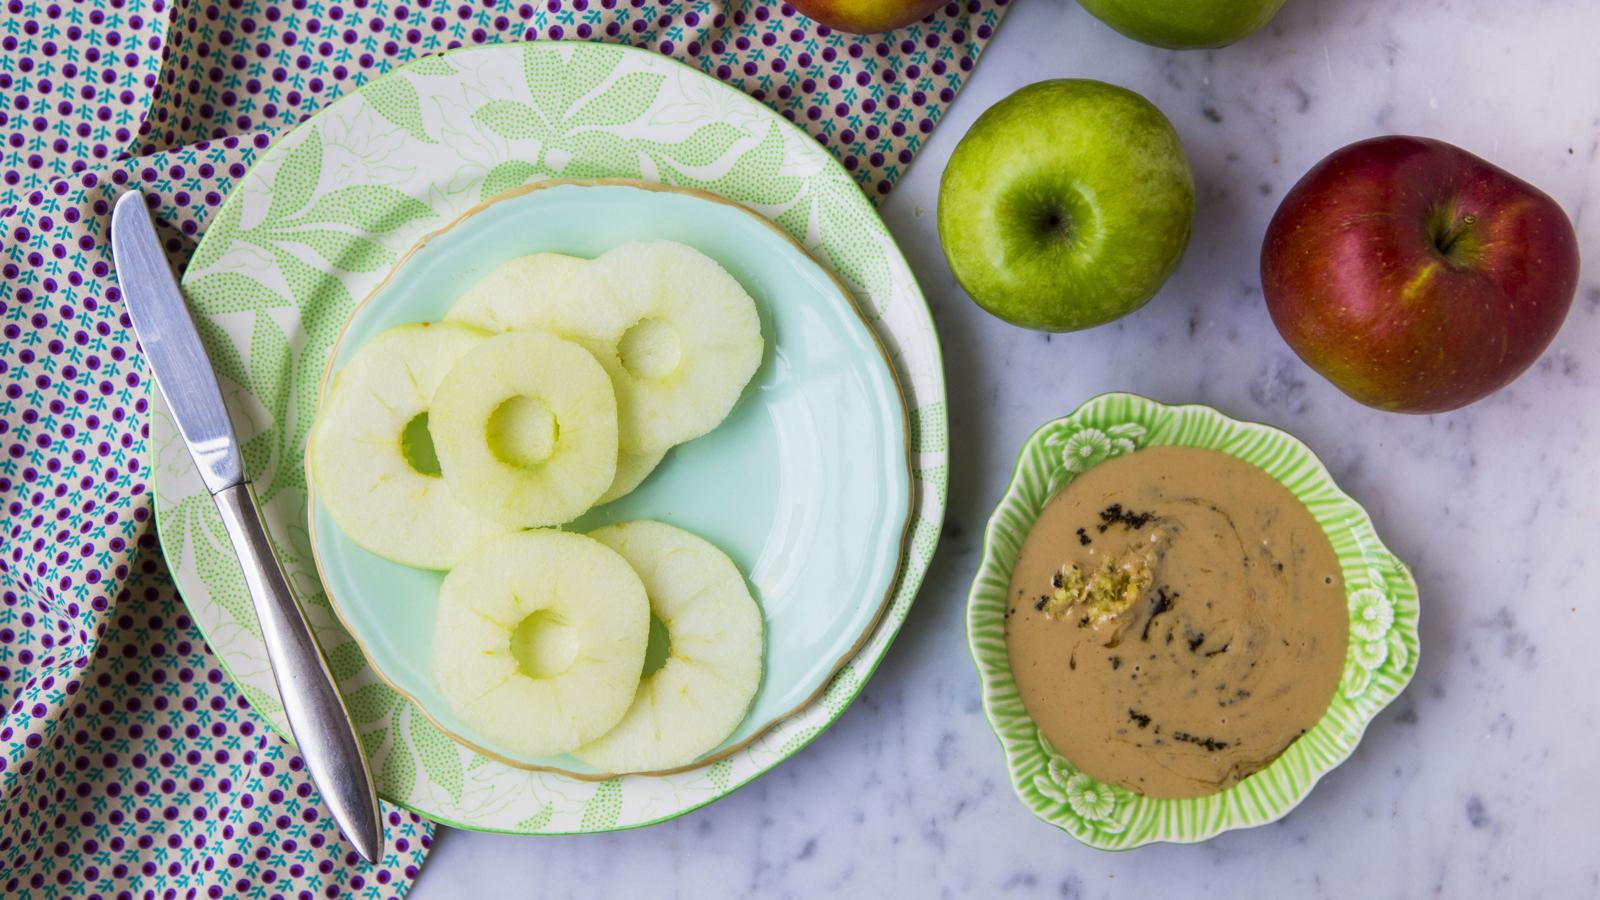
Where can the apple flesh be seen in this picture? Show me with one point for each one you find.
(866, 16)
(1185, 24)
(1067, 205)
(1416, 276)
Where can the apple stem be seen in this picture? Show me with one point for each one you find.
(1449, 229)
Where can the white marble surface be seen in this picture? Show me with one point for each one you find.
(1482, 779)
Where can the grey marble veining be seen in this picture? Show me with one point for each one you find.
(1481, 780)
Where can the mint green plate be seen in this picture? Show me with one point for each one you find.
(1380, 592)
(806, 484)
(331, 207)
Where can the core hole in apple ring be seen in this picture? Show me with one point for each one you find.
(522, 431)
(416, 444)
(684, 339)
(538, 638)
(658, 646)
(526, 429)
(544, 644)
(650, 349)
(372, 457)
(702, 658)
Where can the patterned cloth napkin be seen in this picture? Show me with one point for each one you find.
(129, 765)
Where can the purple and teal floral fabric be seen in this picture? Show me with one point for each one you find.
(130, 766)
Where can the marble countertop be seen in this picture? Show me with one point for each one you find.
(1480, 780)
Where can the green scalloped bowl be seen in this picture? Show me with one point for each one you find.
(1380, 591)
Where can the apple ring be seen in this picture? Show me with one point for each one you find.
(539, 640)
(689, 339)
(358, 461)
(711, 669)
(526, 429)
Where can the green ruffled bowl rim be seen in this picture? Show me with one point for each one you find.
(1379, 589)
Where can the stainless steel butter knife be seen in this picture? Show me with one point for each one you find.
(183, 373)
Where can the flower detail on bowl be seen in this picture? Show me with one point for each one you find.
(1084, 447)
(1091, 801)
(1373, 640)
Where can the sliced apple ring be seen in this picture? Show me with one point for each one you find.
(632, 470)
(712, 661)
(390, 501)
(521, 294)
(526, 429)
(539, 641)
(689, 341)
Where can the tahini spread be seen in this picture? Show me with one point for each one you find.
(1176, 620)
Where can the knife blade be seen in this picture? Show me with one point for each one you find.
(183, 374)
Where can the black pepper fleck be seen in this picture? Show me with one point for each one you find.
(1116, 515)
(1210, 744)
(1161, 604)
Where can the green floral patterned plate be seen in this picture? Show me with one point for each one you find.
(805, 484)
(1383, 626)
(330, 208)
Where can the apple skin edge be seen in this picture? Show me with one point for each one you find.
(1185, 24)
(1416, 276)
(1066, 205)
(866, 16)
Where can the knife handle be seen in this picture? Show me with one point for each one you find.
(316, 714)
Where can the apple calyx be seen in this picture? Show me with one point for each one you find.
(1056, 223)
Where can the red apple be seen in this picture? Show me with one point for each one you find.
(866, 16)
(1415, 276)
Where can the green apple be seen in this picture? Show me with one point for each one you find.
(1067, 205)
(1185, 24)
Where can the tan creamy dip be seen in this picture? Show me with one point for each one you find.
(1177, 620)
